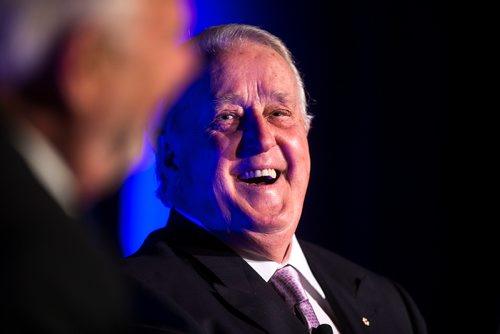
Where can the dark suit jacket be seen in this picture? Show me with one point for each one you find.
(55, 277)
(219, 289)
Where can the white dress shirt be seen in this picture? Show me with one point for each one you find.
(313, 290)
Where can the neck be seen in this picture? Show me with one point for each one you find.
(269, 244)
(261, 246)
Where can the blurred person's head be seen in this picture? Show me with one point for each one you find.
(233, 153)
(91, 75)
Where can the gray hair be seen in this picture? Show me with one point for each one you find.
(211, 43)
(214, 40)
(30, 30)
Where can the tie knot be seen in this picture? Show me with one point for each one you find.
(286, 281)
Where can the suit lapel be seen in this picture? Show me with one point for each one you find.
(350, 297)
(260, 304)
(233, 279)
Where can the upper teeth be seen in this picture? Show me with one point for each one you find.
(259, 173)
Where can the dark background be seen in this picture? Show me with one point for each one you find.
(377, 74)
(377, 77)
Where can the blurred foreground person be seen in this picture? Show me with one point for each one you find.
(80, 82)
(233, 163)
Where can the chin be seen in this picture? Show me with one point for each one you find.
(269, 222)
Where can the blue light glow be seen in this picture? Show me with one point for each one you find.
(140, 210)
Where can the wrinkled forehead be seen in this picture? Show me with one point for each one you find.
(232, 75)
(247, 64)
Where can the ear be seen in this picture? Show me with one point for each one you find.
(166, 159)
(166, 170)
(81, 71)
(169, 161)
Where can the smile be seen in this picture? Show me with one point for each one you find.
(260, 176)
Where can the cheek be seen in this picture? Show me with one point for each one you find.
(196, 178)
(306, 157)
(221, 159)
(296, 151)
(225, 195)
(200, 162)
(227, 145)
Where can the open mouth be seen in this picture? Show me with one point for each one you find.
(260, 176)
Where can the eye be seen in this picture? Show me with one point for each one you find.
(279, 113)
(226, 117)
(281, 117)
(225, 122)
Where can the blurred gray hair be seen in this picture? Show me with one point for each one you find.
(211, 43)
(31, 29)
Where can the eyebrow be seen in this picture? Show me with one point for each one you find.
(228, 98)
(280, 97)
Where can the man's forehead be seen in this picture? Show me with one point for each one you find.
(238, 84)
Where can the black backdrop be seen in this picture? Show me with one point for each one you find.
(377, 76)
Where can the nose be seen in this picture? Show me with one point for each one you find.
(257, 136)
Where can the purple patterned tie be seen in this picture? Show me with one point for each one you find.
(286, 281)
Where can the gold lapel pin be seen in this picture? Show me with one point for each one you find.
(366, 321)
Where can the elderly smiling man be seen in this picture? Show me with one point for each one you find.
(233, 163)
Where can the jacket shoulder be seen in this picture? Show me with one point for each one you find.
(365, 290)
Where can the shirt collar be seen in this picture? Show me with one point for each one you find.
(266, 269)
(297, 260)
(48, 167)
